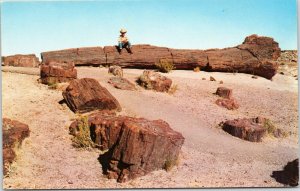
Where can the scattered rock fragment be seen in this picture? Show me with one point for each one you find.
(230, 104)
(289, 175)
(254, 77)
(203, 78)
(54, 72)
(86, 94)
(14, 132)
(155, 81)
(116, 71)
(221, 82)
(247, 129)
(212, 78)
(121, 83)
(224, 92)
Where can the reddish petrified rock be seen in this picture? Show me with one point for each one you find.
(224, 92)
(14, 132)
(29, 60)
(247, 129)
(155, 81)
(263, 48)
(121, 83)
(230, 104)
(189, 59)
(79, 56)
(289, 175)
(136, 146)
(116, 71)
(86, 94)
(254, 56)
(56, 72)
(144, 56)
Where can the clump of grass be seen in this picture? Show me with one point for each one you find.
(169, 164)
(197, 69)
(173, 89)
(269, 126)
(165, 65)
(52, 86)
(82, 139)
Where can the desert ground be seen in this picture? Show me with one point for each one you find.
(210, 157)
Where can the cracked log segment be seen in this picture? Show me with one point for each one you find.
(135, 146)
(14, 132)
(20, 60)
(257, 55)
(53, 72)
(86, 94)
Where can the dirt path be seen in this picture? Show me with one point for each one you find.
(210, 157)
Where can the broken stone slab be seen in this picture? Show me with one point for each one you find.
(53, 72)
(121, 83)
(134, 146)
(155, 81)
(14, 132)
(86, 94)
(20, 60)
(248, 129)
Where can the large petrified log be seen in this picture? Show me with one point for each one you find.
(257, 55)
(86, 94)
(136, 146)
(79, 56)
(19, 60)
(53, 72)
(14, 132)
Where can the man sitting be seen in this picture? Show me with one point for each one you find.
(123, 42)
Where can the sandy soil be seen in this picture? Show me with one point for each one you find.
(209, 158)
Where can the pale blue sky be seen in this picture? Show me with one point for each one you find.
(34, 27)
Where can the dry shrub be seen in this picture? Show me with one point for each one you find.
(165, 65)
(197, 69)
(82, 139)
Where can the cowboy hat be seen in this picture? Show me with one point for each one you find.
(123, 31)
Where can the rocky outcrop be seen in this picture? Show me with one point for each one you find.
(155, 81)
(53, 72)
(248, 129)
(19, 60)
(14, 132)
(86, 94)
(121, 83)
(289, 175)
(255, 56)
(135, 146)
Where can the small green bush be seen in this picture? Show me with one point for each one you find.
(82, 139)
(165, 65)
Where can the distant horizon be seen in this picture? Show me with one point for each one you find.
(36, 27)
